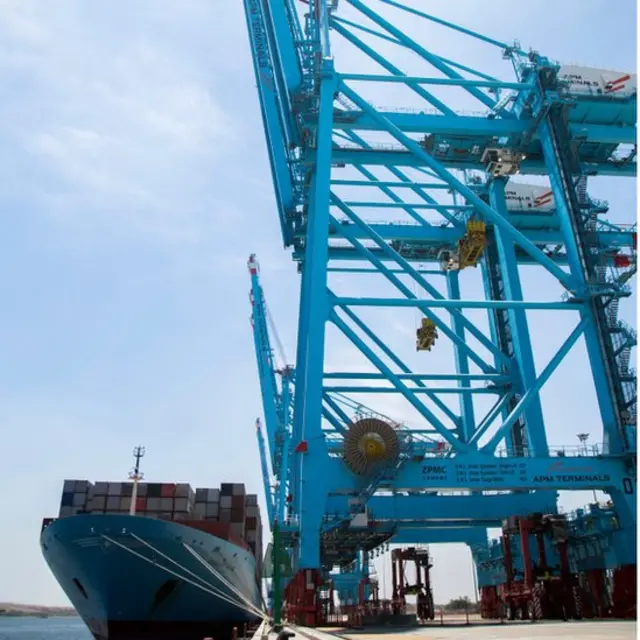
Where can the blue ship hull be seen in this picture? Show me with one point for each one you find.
(131, 578)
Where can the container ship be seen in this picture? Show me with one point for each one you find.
(149, 560)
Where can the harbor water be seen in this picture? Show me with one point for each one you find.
(28, 628)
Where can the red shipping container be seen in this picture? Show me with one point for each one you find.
(237, 515)
(251, 524)
(167, 490)
(219, 529)
(622, 260)
(141, 504)
(237, 502)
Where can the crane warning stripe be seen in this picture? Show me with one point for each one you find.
(616, 85)
(543, 199)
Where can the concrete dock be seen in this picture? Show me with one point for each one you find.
(583, 630)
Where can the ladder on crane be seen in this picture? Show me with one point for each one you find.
(606, 323)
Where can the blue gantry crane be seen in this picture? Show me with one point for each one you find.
(393, 210)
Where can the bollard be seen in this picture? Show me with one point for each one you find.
(441, 618)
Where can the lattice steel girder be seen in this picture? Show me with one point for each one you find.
(404, 289)
(271, 105)
(266, 476)
(448, 511)
(569, 305)
(518, 322)
(478, 130)
(264, 358)
(438, 236)
(421, 535)
(494, 378)
(425, 255)
(399, 158)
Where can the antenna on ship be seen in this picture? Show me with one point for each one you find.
(136, 476)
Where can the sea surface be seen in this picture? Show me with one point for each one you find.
(64, 628)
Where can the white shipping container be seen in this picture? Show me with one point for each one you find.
(142, 489)
(236, 529)
(598, 82)
(154, 504)
(166, 504)
(101, 489)
(211, 510)
(213, 495)
(183, 505)
(113, 503)
(69, 486)
(125, 503)
(528, 197)
(115, 488)
(253, 512)
(225, 502)
(200, 509)
(251, 500)
(79, 499)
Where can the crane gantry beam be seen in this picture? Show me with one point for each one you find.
(450, 189)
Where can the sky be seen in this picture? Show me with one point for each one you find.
(134, 184)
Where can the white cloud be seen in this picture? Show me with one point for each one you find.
(121, 129)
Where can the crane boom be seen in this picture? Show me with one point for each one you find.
(264, 357)
(274, 105)
(277, 399)
(266, 478)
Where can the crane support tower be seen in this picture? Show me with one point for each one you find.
(389, 213)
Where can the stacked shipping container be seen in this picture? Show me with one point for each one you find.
(229, 504)
(75, 497)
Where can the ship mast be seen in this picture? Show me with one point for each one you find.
(136, 476)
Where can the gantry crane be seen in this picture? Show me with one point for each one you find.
(451, 184)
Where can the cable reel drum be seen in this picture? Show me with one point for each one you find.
(370, 444)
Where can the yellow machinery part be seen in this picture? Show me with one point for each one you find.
(372, 447)
(426, 335)
(472, 244)
(369, 443)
